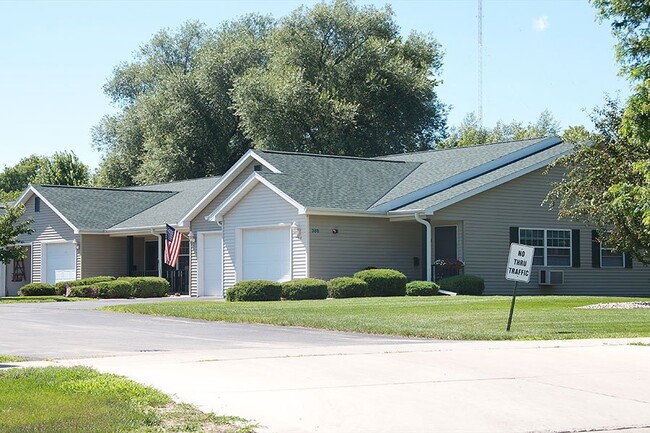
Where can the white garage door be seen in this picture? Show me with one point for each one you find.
(266, 254)
(60, 262)
(212, 264)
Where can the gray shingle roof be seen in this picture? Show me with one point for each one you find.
(438, 165)
(96, 209)
(171, 210)
(494, 175)
(334, 182)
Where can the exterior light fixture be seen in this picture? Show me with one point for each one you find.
(295, 230)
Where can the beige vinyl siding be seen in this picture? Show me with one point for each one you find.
(48, 226)
(261, 207)
(363, 242)
(103, 255)
(487, 218)
(194, 269)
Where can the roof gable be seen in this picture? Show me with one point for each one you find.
(96, 209)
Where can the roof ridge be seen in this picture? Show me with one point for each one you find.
(467, 147)
(103, 188)
(324, 155)
(177, 181)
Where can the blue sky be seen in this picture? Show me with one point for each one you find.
(56, 55)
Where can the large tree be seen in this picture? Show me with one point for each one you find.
(14, 179)
(334, 78)
(608, 182)
(11, 227)
(342, 80)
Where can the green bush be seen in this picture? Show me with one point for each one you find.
(463, 284)
(255, 290)
(347, 287)
(304, 288)
(383, 282)
(421, 288)
(120, 288)
(83, 292)
(147, 287)
(60, 286)
(37, 289)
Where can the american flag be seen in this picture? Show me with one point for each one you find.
(172, 245)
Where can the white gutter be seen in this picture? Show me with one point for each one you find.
(428, 261)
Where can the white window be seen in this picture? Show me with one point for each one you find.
(610, 259)
(552, 247)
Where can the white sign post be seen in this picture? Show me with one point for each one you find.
(520, 264)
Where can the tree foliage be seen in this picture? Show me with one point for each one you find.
(607, 184)
(11, 227)
(342, 80)
(334, 78)
(62, 168)
(470, 133)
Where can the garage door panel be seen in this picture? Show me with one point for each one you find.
(212, 265)
(266, 254)
(60, 262)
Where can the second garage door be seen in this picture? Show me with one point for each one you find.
(60, 262)
(266, 254)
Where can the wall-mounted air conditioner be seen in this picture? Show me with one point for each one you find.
(548, 277)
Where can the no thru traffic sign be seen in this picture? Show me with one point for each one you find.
(520, 262)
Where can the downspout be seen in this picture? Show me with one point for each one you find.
(429, 241)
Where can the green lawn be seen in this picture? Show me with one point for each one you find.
(69, 400)
(441, 317)
(14, 299)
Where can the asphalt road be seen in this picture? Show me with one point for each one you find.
(301, 380)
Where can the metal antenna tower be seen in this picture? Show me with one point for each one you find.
(479, 110)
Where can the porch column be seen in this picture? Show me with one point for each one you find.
(161, 254)
(429, 239)
(129, 256)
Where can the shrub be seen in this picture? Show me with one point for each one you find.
(347, 287)
(255, 290)
(383, 282)
(120, 288)
(37, 289)
(304, 288)
(421, 288)
(60, 286)
(83, 292)
(463, 284)
(147, 287)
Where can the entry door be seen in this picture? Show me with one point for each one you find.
(445, 248)
(60, 261)
(151, 258)
(212, 264)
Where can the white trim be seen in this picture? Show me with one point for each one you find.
(44, 245)
(200, 243)
(239, 241)
(227, 177)
(3, 279)
(336, 212)
(484, 187)
(26, 196)
(241, 192)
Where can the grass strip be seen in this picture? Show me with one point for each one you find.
(11, 358)
(38, 299)
(79, 399)
(438, 317)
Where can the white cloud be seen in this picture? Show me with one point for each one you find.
(540, 24)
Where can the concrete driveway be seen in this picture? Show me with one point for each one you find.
(300, 380)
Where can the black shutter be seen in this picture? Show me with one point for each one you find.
(575, 248)
(514, 235)
(595, 250)
(627, 257)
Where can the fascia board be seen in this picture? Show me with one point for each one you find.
(243, 189)
(224, 181)
(469, 174)
(75, 230)
(336, 212)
